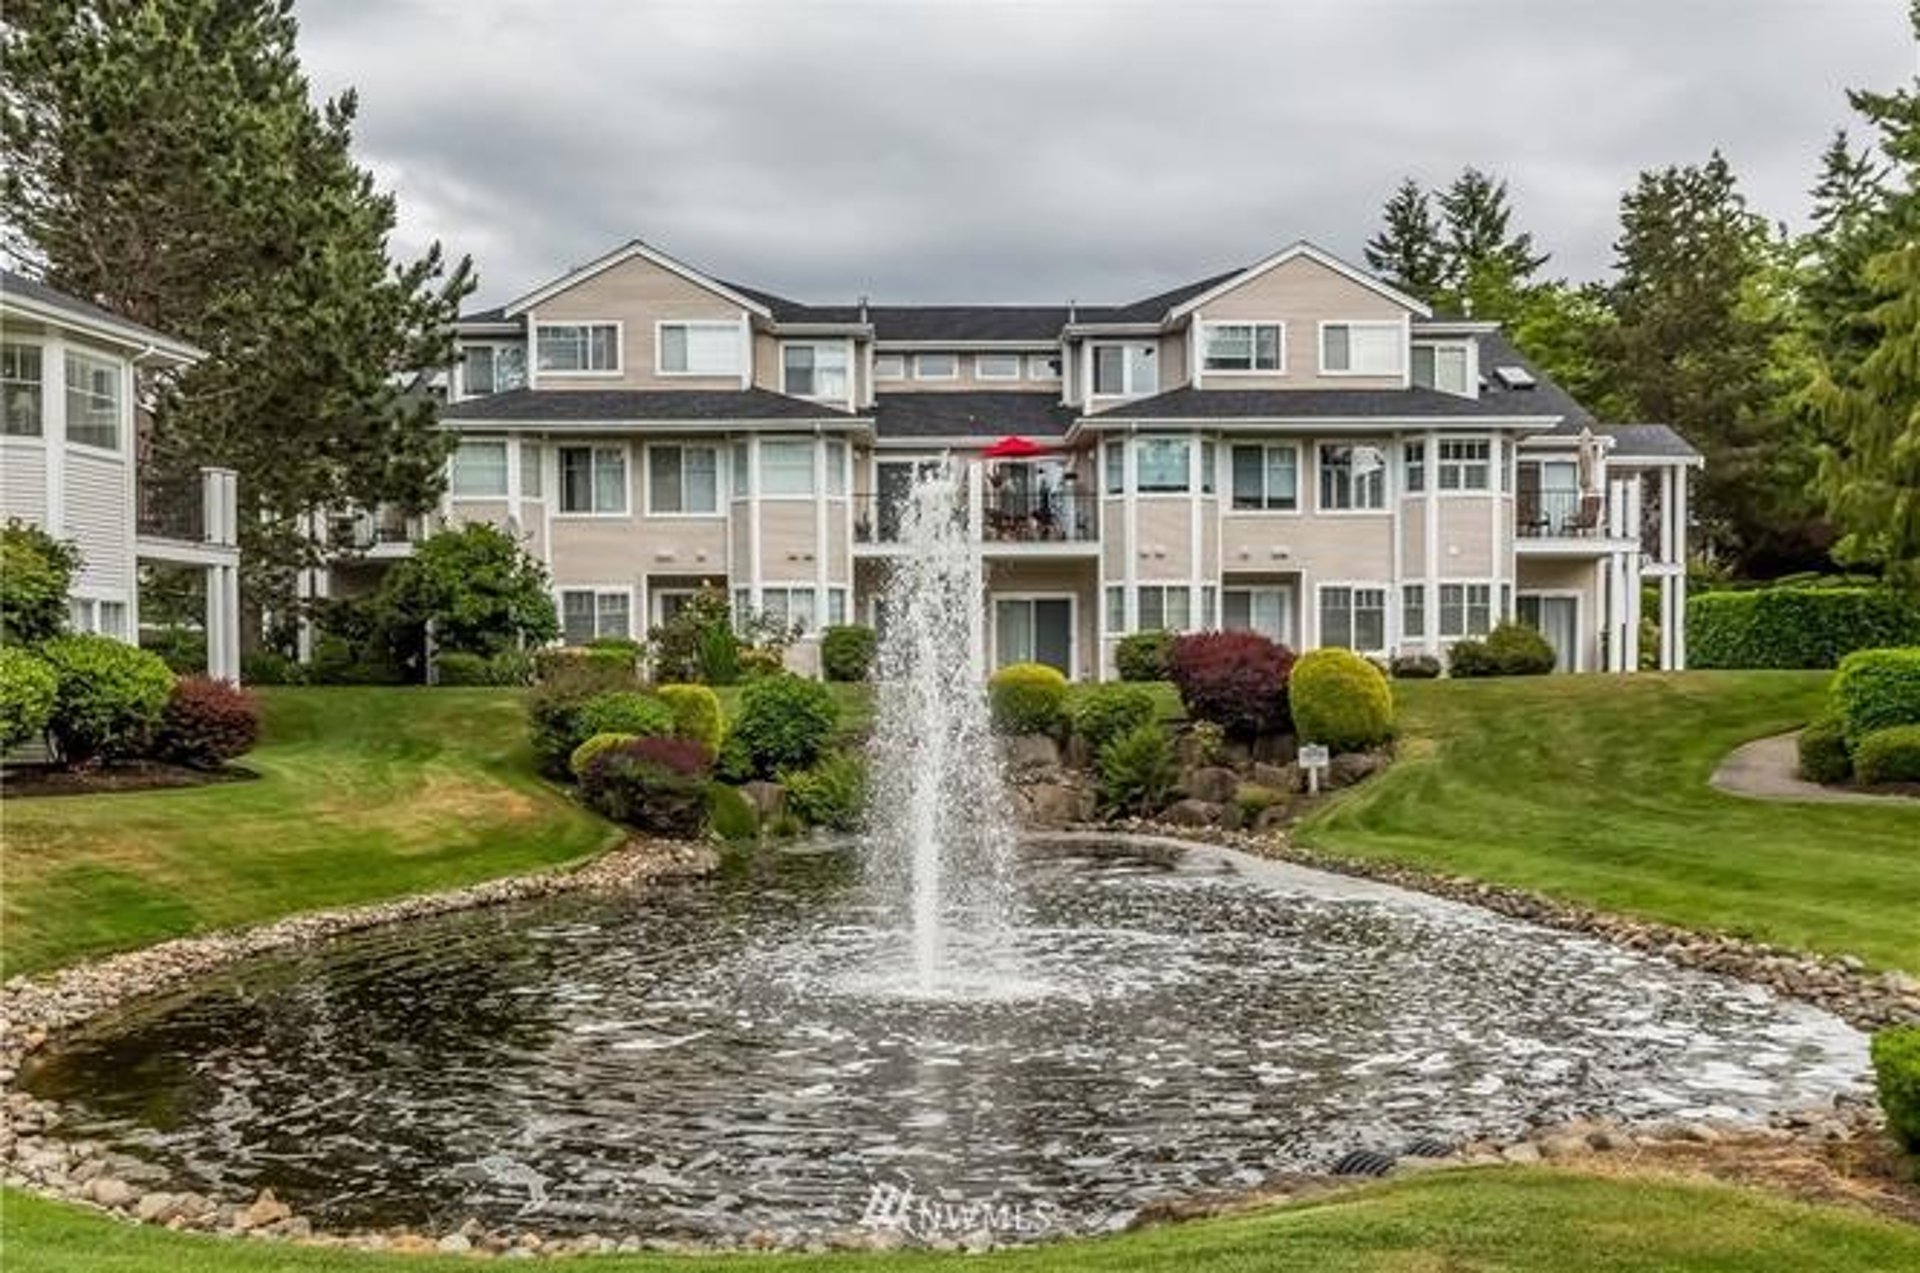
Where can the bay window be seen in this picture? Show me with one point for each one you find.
(1353, 617)
(1466, 609)
(1114, 464)
(683, 479)
(1125, 371)
(530, 465)
(786, 468)
(1362, 349)
(589, 613)
(1414, 455)
(578, 348)
(21, 388)
(1165, 606)
(1352, 478)
(1267, 477)
(93, 402)
(836, 468)
(815, 371)
(593, 480)
(479, 469)
(1162, 465)
(1249, 347)
(795, 606)
(1464, 464)
(699, 349)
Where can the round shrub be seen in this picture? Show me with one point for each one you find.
(583, 754)
(558, 717)
(1138, 771)
(109, 699)
(1519, 650)
(1237, 680)
(207, 723)
(1341, 700)
(625, 712)
(785, 722)
(1102, 713)
(457, 667)
(1896, 1073)
(1414, 667)
(1888, 755)
(27, 691)
(696, 713)
(1143, 655)
(1469, 657)
(655, 784)
(1795, 626)
(36, 575)
(1875, 689)
(831, 794)
(846, 652)
(1823, 751)
(1027, 698)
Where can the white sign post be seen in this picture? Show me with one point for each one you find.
(1313, 758)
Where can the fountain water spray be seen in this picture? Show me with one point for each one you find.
(941, 852)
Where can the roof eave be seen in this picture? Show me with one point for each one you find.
(141, 339)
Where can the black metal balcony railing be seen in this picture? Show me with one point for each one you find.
(1008, 517)
(1559, 514)
(171, 507)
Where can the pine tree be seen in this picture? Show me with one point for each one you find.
(1488, 269)
(1408, 251)
(163, 159)
(1848, 229)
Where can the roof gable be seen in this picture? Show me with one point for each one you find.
(620, 256)
(1294, 252)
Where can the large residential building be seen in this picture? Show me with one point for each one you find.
(1293, 447)
(71, 427)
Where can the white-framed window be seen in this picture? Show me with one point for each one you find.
(1162, 466)
(531, 462)
(22, 386)
(699, 349)
(1209, 466)
(791, 605)
(1043, 367)
(683, 480)
(737, 461)
(836, 607)
(815, 370)
(1413, 610)
(996, 366)
(1465, 464)
(1164, 606)
(936, 366)
(1034, 629)
(1114, 463)
(593, 480)
(1116, 608)
(889, 366)
(479, 469)
(1267, 478)
(1362, 349)
(486, 369)
(93, 401)
(1243, 347)
(101, 617)
(1442, 367)
(1353, 616)
(1352, 477)
(1466, 609)
(1266, 610)
(578, 349)
(1125, 370)
(587, 613)
(786, 468)
(1413, 458)
(836, 469)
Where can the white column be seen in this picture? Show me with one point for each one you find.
(1129, 485)
(1430, 471)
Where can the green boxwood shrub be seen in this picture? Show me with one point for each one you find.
(1888, 755)
(1896, 1072)
(1341, 700)
(109, 699)
(36, 576)
(1101, 713)
(846, 652)
(1414, 667)
(1027, 698)
(1875, 689)
(1511, 649)
(28, 687)
(1823, 751)
(206, 723)
(1470, 658)
(1795, 627)
(457, 667)
(696, 713)
(1138, 771)
(583, 754)
(1143, 656)
(656, 784)
(832, 793)
(785, 722)
(625, 712)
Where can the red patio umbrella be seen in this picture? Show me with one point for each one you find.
(1013, 448)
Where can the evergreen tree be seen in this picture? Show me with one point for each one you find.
(1408, 251)
(1848, 229)
(1488, 268)
(163, 159)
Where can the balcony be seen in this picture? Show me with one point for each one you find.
(189, 518)
(171, 507)
(1013, 519)
(384, 532)
(1560, 515)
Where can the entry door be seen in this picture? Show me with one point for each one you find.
(1268, 611)
(1034, 630)
(1558, 620)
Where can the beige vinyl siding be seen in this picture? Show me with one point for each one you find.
(788, 541)
(99, 520)
(1173, 361)
(1466, 536)
(1302, 293)
(1113, 539)
(1166, 538)
(1324, 547)
(637, 294)
(1413, 536)
(23, 480)
(1549, 574)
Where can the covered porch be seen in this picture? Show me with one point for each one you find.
(192, 525)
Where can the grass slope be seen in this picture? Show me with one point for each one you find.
(1595, 789)
(365, 794)
(1462, 1222)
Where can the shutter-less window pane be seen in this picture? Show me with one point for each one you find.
(480, 469)
(93, 402)
(663, 467)
(797, 361)
(577, 616)
(700, 476)
(477, 371)
(673, 349)
(1162, 464)
(612, 615)
(1109, 369)
(530, 475)
(1336, 617)
(836, 468)
(1369, 619)
(1335, 354)
(20, 391)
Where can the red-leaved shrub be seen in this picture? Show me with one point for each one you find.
(1237, 680)
(657, 784)
(206, 723)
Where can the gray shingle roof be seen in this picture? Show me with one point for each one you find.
(1544, 398)
(560, 406)
(12, 284)
(971, 414)
(1648, 441)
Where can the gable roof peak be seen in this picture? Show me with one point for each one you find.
(1313, 252)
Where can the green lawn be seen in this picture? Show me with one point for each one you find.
(365, 794)
(1595, 789)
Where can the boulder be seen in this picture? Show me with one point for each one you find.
(109, 1191)
(1351, 767)
(1192, 813)
(265, 1210)
(1055, 804)
(769, 799)
(1274, 815)
(1278, 777)
(1213, 783)
(1031, 755)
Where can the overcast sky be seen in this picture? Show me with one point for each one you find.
(1043, 151)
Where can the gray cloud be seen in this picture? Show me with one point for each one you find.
(1040, 151)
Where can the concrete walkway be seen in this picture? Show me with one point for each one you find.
(1768, 769)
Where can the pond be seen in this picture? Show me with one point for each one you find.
(727, 1055)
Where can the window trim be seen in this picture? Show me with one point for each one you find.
(560, 510)
(813, 468)
(1353, 585)
(493, 348)
(1128, 389)
(918, 359)
(560, 591)
(1279, 325)
(1164, 586)
(122, 399)
(719, 480)
(1440, 463)
(1462, 347)
(1439, 608)
(1394, 325)
(506, 472)
(980, 366)
(1048, 374)
(1194, 476)
(1289, 592)
(1387, 492)
(879, 374)
(843, 343)
(1582, 638)
(993, 600)
(619, 349)
(39, 348)
(743, 361)
(1264, 511)
(786, 588)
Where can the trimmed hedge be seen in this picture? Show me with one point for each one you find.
(1888, 755)
(846, 652)
(1511, 649)
(28, 687)
(1823, 751)
(1027, 698)
(1414, 667)
(1795, 627)
(785, 722)
(696, 713)
(1237, 680)
(1102, 713)
(1896, 1072)
(1876, 689)
(1144, 655)
(1341, 700)
(207, 723)
(625, 712)
(109, 699)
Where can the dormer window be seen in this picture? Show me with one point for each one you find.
(1125, 371)
(814, 371)
(1362, 349)
(579, 349)
(1442, 367)
(486, 369)
(1249, 347)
